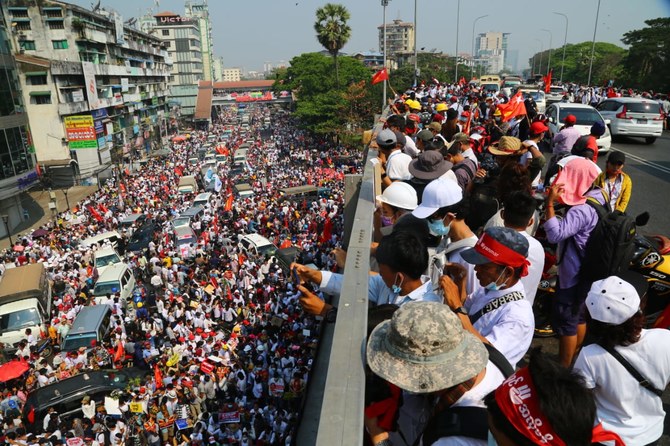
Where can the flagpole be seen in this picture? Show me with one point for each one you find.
(593, 46)
(384, 4)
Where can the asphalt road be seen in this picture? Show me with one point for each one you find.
(649, 169)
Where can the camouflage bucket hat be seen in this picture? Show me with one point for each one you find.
(424, 348)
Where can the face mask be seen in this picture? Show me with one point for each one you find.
(387, 221)
(386, 230)
(437, 227)
(493, 286)
(396, 288)
(491, 440)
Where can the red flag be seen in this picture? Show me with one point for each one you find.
(158, 377)
(513, 108)
(327, 230)
(123, 188)
(229, 203)
(31, 415)
(547, 81)
(38, 169)
(380, 76)
(120, 352)
(95, 213)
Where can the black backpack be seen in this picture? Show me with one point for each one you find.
(611, 245)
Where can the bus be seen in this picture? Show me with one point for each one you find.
(299, 193)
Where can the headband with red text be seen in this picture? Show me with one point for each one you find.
(498, 253)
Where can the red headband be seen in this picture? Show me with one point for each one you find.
(517, 399)
(498, 253)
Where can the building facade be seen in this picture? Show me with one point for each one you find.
(217, 69)
(181, 36)
(97, 87)
(232, 75)
(17, 167)
(399, 38)
(200, 12)
(491, 51)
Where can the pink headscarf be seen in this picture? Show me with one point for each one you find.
(577, 177)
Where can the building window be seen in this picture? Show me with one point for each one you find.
(22, 26)
(41, 99)
(166, 32)
(59, 44)
(56, 24)
(37, 80)
(54, 13)
(27, 45)
(167, 44)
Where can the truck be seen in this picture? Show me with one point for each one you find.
(187, 185)
(25, 302)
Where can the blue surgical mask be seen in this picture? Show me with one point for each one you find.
(493, 286)
(491, 441)
(437, 227)
(395, 289)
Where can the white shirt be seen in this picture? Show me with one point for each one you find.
(410, 148)
(510, 327)
(536, 260)
(623, 406)
(397, 166)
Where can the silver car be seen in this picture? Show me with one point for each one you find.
(633, 117)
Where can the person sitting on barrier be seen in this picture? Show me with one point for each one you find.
(402, 259)
(444, 371)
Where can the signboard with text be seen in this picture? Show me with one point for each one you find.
(80, 132)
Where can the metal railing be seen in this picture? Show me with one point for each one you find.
(333, 410)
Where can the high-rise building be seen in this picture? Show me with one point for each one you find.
(217, 69)
(232, 75)
(200, 12)
(96, 86)
(491, 51)
(17, 167)
(399, 38)
(181, 36)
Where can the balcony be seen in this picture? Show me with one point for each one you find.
(70, 108)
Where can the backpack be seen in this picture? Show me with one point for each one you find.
(611, 245)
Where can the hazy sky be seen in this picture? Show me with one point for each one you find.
(248, 33)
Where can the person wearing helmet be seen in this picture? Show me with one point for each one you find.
(497, 128)
(397, 200)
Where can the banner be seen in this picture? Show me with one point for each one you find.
(80, 132)
(91, 87)
(136, 407)
(229, 417)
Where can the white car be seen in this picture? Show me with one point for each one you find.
(586, 117)
(538, 97)
(257, 245)
(105, 257)
(556, 93)
(633, 117)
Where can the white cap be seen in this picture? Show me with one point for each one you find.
(612, 300)
(400, 195)
(439, 193)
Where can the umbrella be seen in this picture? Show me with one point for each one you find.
(179, 138)
(41, 232)
(12, 369)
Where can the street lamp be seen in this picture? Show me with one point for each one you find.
(65, 191)
(5, 219)
(593, 46)
(385, 3)
(550, 43)
(416, 54)
(473, 40)
(541, 51)
(458, 19)
(565, 41)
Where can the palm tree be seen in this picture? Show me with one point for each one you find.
(332, 31)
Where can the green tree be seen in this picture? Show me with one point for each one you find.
(607, 62)
(332, 31)
(649, 53)
(320, 106)
(431, 65)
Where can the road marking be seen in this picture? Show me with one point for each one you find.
(645, 161)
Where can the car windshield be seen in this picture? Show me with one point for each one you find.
(19, 320)
(643, 107)
(106, 260)
(585, 116)
(186, 240)
(182, 221)
(558, 90)
(267, 250)
(74, 341)
(536, 95)
(102, 288)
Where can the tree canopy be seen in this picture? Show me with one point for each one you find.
(332, 30)
(648, 56)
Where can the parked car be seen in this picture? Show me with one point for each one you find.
(257, 245)
(586, 117)
(633, 117)
(556, 93)
(538, 96)
(141, 237)
(104, 257)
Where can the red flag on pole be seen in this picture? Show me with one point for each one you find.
(547, 81)
(380, 76)
(229, 203)
(513, 108)
(120, 352)
(95, 213)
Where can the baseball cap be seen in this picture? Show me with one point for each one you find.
(598, 129)
(425, 135)
(612, 300)
(460, 137)
(570, 120)
(400, 138)
(538, 127)
(429, 165)
(507, 145)
(439, 193)
(436, 126)
(386, 138)
(424, 348)
(616, 157)
(503, 246)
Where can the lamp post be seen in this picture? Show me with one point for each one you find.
(539, 70)
(5, 220)
(458, 19)
(565, 41)
(416, 53)
(550, 43)
(65, 191)
(385, 3)
(593, 46)
(473, 40)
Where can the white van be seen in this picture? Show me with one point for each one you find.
(111, 237)
(25, 302)
(257, 245)
(117, 278)
(105, 257)
(202, 199)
